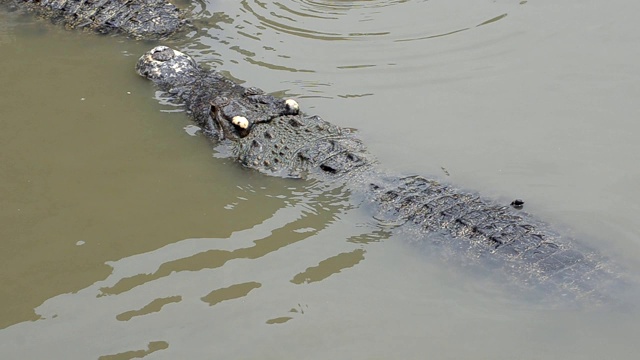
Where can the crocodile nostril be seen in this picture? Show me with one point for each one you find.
(164, 54)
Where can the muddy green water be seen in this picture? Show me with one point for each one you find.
(123, 236)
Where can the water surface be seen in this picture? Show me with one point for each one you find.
(123, 236)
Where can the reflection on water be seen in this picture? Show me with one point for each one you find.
(123, 237)
(314, 213)
(154, 306)
(189, 274)
(328, 267)
(135, 354)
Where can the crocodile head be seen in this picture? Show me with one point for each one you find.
(270, 135)
(235, 115)
(263, 132)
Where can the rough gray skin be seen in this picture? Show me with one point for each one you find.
(465, 227)
(140, 19)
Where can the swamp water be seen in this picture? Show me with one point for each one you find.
(122, 236)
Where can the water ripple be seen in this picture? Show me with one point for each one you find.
(343, 44)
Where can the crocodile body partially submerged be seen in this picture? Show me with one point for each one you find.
(271, 135)
(140, 19)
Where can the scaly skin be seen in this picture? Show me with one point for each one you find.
(140, 19)
(268, 134)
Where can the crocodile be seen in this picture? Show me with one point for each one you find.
(271, 135)
(139, 19)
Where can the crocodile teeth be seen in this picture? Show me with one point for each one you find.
(240, 121)
(292, 105)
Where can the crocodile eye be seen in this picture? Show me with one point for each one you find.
(240, 121)
(292, 106)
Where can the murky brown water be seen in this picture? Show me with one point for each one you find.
(122, 236)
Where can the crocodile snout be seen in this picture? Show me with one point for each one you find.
(166, 64)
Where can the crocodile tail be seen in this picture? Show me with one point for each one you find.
(141, 19)
(496, 236)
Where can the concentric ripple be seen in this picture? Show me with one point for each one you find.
(330, 49)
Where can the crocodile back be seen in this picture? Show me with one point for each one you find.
(299, 145)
